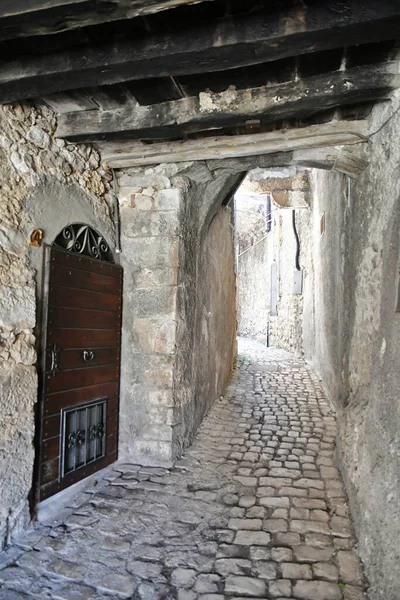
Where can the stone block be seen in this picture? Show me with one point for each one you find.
(246, 586)
(325, 571)
(316, 590)
(246, 481)
(301, 526)
(157, 370)
(161, 398)
(17, 306)
(275, 525)
(232, 566)
(275, 502)
(280, 588)
(281, 554)
(252, 538)
(157, 431)
(264, 570)
(152, 452)
(349, 567)
(183, 577)
(154, 302)
(160, 415)
(309, 554)
(296, 571)
(149, 277)
(150, 223)
(249, 524)
(114, 583)
(155, 252)
(155, 334)
(168, 199)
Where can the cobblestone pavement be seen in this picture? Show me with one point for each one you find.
(256, 508)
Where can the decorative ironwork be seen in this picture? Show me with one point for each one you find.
(82, 239)
(83, 436)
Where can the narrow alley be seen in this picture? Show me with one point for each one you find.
(255, 508)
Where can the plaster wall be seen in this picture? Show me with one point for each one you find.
(43, 184)
(353, 337)
(253, 268)
(286, 327)
(206, 315)
(215, 345)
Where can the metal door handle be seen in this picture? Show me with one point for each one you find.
(54, 360)
(88, 355)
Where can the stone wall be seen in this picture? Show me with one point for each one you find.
(43, 184)
(353, 337)
(172, 313)
(150, 205)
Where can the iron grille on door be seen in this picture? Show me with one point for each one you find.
(83, 436)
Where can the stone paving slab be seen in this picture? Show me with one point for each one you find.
(255, 509)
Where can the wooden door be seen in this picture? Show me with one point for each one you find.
(81, 370)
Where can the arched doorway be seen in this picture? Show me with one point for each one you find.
(79, 399)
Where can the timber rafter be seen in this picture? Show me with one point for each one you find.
(24, 18)
(120, 155)
(232, 107)
(228, 43)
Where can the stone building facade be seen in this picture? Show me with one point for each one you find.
(43, 184)
(270, 308)
(178, 332)
(352, 336)
(170, 373)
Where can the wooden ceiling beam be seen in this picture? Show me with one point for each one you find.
(219, 148)
(295, 99)
(223, 44)
(28, 18)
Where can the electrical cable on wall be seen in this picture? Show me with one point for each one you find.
(297, 241)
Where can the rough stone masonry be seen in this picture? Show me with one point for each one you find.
(43, 183)
(255, 509)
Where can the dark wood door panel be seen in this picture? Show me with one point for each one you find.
(50, 449)
(81, 262)
(84, 299)
(77, 378)
(68, 399)
(49, 471)
(74, 359)
(72, 318)
(84, 280)
(52, 486)
(80, 402)
(83, 338)
(51, 426)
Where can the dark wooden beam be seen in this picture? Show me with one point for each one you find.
(233, 107)
(241, 41)
(27, 18)
(130, 154)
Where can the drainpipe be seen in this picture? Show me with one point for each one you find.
(117, 217)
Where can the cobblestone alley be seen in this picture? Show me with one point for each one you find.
(256, 508)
